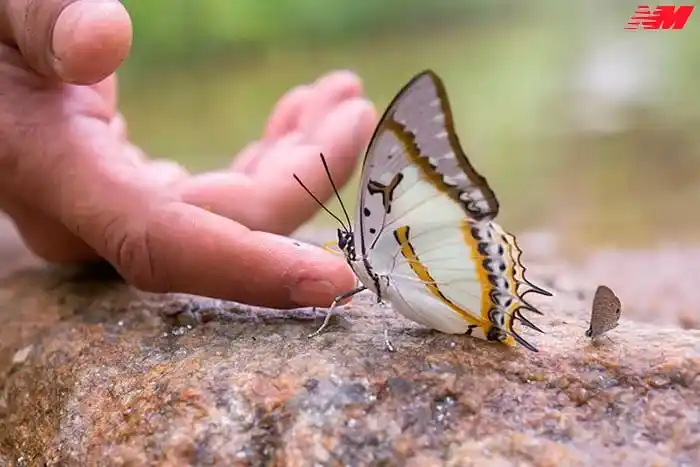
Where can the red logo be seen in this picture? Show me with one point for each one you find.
(663, 17)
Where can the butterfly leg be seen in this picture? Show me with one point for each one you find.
(387, 342)
(389, 346)
(603, 340)
(339, 298)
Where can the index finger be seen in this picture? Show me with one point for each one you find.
(182, 248)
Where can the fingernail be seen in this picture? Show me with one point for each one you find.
(313, 293)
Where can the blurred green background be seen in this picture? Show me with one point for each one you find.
(581, 127)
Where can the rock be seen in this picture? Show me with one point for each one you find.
(96, 373)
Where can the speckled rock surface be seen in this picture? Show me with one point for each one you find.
(93, 372)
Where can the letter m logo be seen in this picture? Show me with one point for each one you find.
(663, 17)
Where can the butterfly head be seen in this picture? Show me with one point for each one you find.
(346, 242)
(346, 238)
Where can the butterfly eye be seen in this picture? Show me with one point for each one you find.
(342, 239)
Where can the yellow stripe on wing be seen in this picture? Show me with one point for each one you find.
(402, 238)
(481, 273)
(486, 286)
(414, 157)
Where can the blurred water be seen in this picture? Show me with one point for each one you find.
(581, 128)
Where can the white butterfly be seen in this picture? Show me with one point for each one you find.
(424, 239)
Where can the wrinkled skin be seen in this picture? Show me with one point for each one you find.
(78, 190)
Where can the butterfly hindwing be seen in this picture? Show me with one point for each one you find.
(432, 267)
(456, 277)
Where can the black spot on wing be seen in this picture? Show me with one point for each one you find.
(386, 191)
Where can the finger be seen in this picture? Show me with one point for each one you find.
(341, 138)
(281, 205)
(119, 128)
(285, 116)
(182, 248)
(78, 41)
(165, 172)
(250, 158)
(247, 159)
(328, 92)
(229, 194)
(297, 112)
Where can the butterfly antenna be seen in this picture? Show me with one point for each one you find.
(342, 224)
(335, 190)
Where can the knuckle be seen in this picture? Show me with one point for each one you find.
(32, 39)
(130, 249)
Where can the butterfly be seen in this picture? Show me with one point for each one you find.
(605, 312)
(424, 239)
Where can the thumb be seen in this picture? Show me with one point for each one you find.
(77, 41)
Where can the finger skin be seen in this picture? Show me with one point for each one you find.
(76, 41)
(264, 171)
(330, 90)
(298, 113)
(186, 249)
(284, 118)
(33, 226)
(281, 205)
(341, 138)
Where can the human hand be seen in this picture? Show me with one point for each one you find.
(78, 190)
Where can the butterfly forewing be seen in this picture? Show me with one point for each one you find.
(417, 131)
